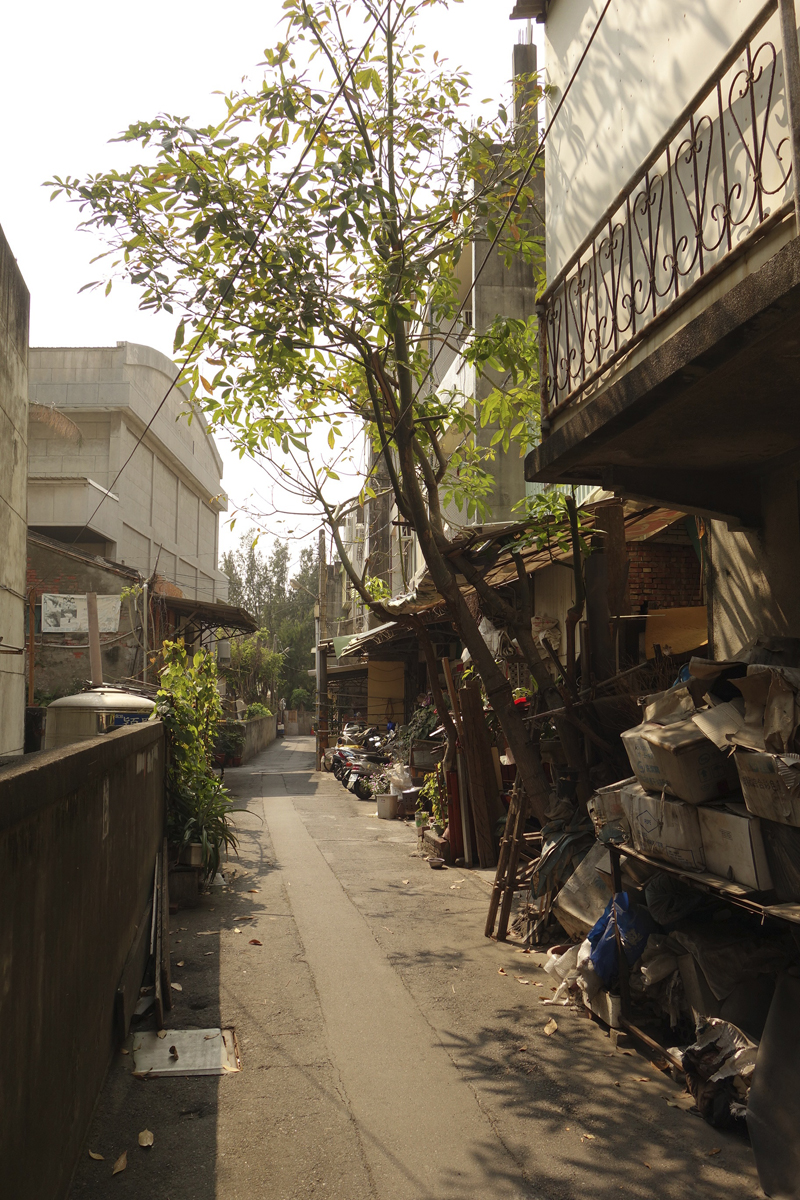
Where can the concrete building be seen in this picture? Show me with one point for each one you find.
(671, 317)
(14, 307)
(163, 512)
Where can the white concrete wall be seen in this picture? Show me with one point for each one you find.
(14, 305)
(648, 60)
(170, 493)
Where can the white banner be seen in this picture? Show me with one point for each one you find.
(68, 614)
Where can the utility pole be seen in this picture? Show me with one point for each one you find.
(322, 655)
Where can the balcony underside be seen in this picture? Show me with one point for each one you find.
(701, 419)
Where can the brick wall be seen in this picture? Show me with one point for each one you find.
(664, 575)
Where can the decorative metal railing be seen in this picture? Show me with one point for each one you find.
(718, 180)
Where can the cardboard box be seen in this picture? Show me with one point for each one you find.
(694, 768)
(582, 900)
(664, 828)
(732, 845)
(770, 785)
(608, 816)
(641, 757)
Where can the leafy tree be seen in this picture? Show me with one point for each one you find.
(261, 584)
(308, 284)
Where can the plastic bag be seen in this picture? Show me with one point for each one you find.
(635, 926)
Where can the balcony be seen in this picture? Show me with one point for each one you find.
(670, 340)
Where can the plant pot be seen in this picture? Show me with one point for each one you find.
(387, 806)
(192, 855)
(184, 886)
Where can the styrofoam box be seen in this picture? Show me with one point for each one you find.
(605, 806)
(641, 757)
(770, 785)
(664, 828)
(733, 846)
(695, 769)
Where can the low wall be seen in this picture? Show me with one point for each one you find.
(79, 830)
(259, 732)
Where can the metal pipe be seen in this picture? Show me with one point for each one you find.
(95, 658)
(144, 635)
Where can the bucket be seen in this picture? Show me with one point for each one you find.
(387, 806)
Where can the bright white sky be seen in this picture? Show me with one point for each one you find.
(77, 73)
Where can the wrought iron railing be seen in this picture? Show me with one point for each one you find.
(718, 180)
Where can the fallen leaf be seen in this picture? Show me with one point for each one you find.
(502, 971)
(536, 984)
(177, 987)
(255, 942)
(124, 1051)
(238, 930)
(550, 1027)
(121, 1163)
(162, 1033)
(207, 952)
(405, 881)
(587, 1137)
(617, 1083)
(209, 1037)
(642, 1079)
(648, 1166)
(716, 1150)
(146, 1138)
(522, 1049)
(520, 980)
(96, 1157)
(253, 890)
(181, 963)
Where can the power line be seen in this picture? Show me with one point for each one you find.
(223, 296)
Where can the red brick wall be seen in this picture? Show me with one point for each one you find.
(666, 576)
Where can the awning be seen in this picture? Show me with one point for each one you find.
(202, 615)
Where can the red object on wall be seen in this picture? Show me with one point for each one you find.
(454, 816)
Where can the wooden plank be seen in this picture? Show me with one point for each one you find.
(472, 716)
(163, 966)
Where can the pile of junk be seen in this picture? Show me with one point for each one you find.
(679, 892)
(390, 767)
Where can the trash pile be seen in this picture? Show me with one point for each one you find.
(704, 928)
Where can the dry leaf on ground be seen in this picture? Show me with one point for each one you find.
(124, 1051)
(121, 1163)
(550, 1027)
(181, 963)
(255, 942)
(502, 971)
(146, 1138)
(253, 890)
(238, 930)
(521, 980)
(162, 1033)
(587, 1137)
(405, 881)
(716, 1150)
(177, 987)
(96, 1157)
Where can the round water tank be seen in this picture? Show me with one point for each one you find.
(76, 718)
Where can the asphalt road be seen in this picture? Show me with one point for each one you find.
(383, 1055)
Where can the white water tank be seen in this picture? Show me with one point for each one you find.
(76, 718)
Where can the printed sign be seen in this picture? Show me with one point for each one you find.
(68, 614)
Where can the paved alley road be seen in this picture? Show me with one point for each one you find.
(384, 1057)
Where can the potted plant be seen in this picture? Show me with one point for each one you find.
(229, 744)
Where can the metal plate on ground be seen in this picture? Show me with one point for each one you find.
(185, 1052)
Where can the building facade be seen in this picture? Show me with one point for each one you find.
(14, 309)
(162, 514)
(670, 322)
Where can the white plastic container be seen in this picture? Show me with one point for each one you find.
(387, 806)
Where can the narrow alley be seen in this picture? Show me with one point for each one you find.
(384, 1054)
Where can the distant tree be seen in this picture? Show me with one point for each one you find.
(260, 583)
